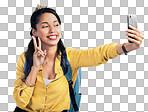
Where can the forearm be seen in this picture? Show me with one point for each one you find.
(23, 93)
(128, 46)
(31, 79)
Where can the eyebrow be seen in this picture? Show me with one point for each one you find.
(47, 22)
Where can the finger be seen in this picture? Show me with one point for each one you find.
(133, 40)
(34, 42)
(136, 33)
(135, 37)
(45, 52)
(142, 36)
(39, 41)
(135, 29)
(40, 54)
(132, 31)
(39, 50)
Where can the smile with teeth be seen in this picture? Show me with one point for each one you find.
(52, 37)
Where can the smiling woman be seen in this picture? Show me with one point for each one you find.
(48, 73)
(41, 53)
(48, 29)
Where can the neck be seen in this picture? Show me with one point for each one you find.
(51, 52)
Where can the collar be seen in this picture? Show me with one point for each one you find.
(57, 67)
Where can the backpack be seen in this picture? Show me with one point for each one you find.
(75, 96)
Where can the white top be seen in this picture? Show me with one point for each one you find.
(47, 81)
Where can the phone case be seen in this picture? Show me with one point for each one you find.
(132, 20)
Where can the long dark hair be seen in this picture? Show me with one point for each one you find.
(29, 53)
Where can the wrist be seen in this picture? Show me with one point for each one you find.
(126, 45)
(130, 47)
(124, 48)
(29, 83)
(35, 68)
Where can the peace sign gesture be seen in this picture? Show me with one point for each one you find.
(38, 55)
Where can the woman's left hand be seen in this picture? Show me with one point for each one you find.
(137, 36)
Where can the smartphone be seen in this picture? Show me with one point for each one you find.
(131, 20)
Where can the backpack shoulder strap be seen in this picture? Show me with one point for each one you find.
(25, 65)
(78, 82)
(68, 76)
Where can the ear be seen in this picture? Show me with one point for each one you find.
(34, 31)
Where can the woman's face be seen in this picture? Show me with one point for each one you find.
(48, 28)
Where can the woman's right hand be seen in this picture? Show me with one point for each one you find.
(38, 55)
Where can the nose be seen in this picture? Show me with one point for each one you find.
(52, 29)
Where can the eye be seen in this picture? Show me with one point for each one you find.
(44, 26)
(57, 25)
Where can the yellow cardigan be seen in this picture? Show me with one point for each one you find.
(55, 97)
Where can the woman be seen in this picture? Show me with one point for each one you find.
(42, 87)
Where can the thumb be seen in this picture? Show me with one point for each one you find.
(45, 52)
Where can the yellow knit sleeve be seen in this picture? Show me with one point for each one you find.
(92, 56)
(21, 93)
